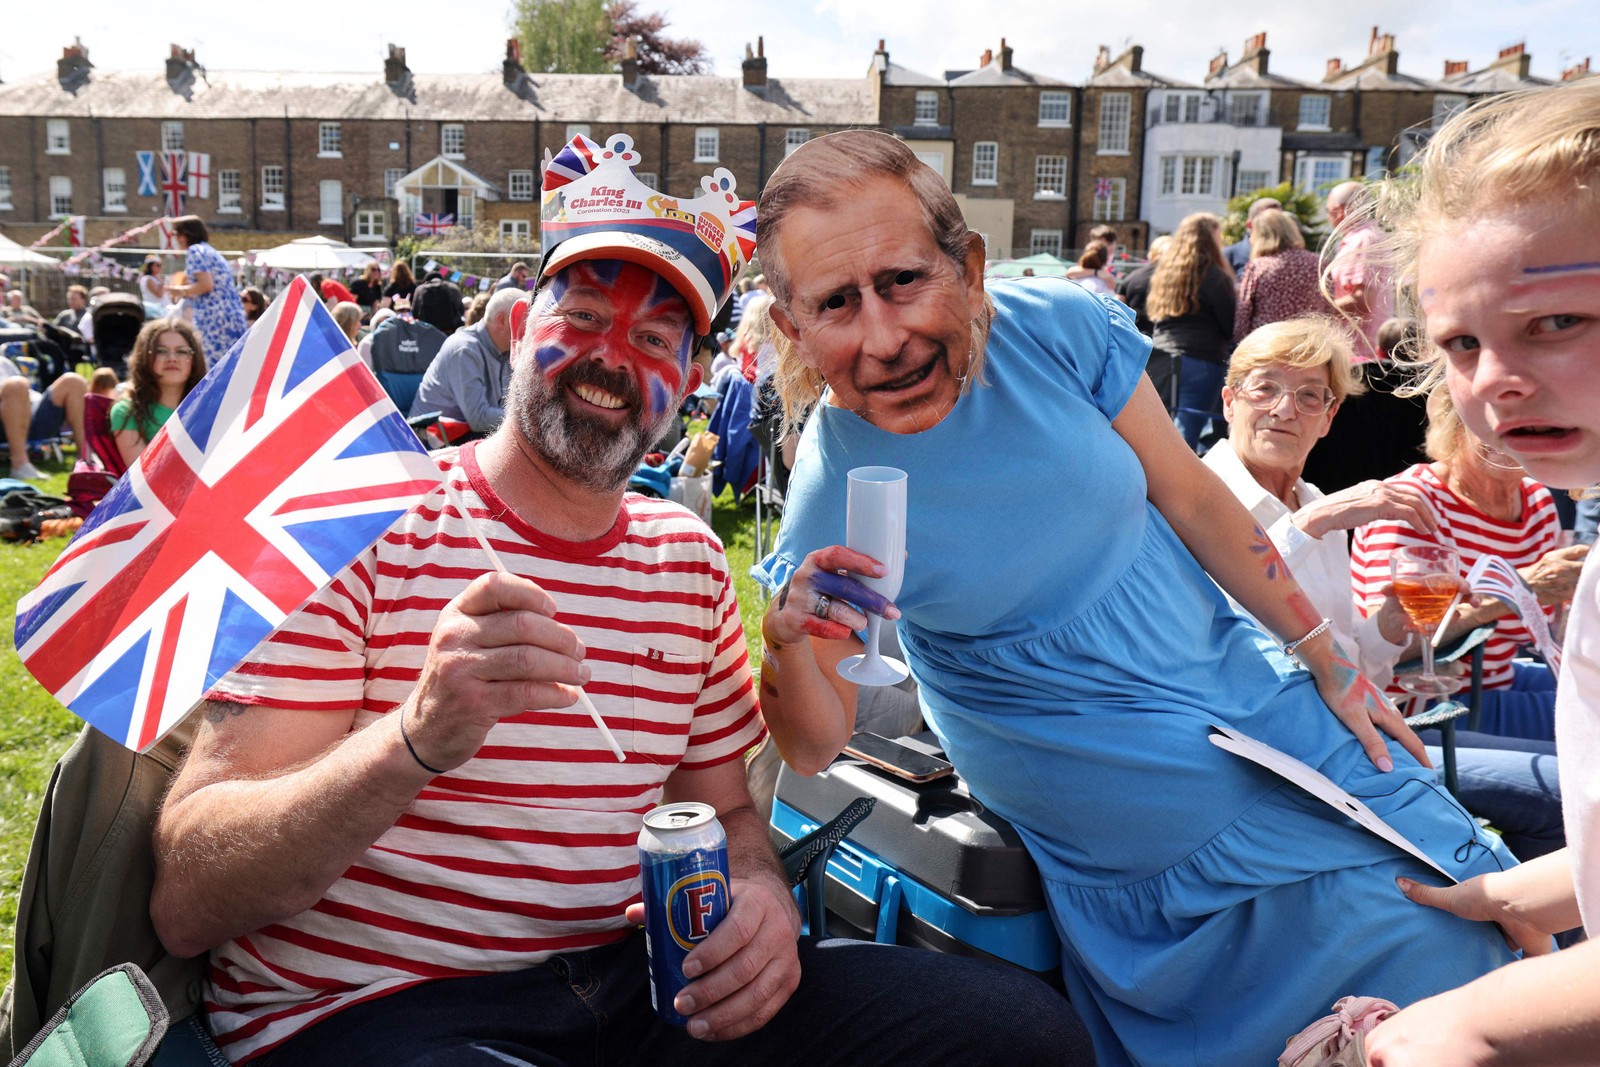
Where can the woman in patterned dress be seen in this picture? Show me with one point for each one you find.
(208, 285)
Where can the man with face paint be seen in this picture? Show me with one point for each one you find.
(401, 840)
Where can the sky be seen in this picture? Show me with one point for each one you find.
(819, 38)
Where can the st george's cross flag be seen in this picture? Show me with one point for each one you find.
(284, 464)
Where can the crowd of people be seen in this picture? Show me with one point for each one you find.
(396, 840)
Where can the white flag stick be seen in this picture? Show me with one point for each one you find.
(499, 565)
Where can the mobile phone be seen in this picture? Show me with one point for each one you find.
(898, 759)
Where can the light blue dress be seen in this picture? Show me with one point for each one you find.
(1072, 656)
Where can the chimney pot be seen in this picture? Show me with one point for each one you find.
(1452, 67)
(1219, 63)
(72, 69)
(761, 47)
(1256, 43)
(1335, 66)
(987, 58)
(1576, 71)
(1514, 50)
(880, 45)
(1102, 58)
(1005, 55)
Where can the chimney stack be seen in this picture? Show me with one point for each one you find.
(1005, 55)
(72, 69)
(1576, 71)
(1335, 68)
(1102, 59)
(1380, 44)
(394, 67)
(1515, 58)
(987, 57)
(1219, 63)
(1135, 56)
(511, 71)
(1453, 67)
(630, 63)
(398, 76)
(755, 67)
(182, 70)
(1256, 53)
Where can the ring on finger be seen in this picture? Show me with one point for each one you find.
(824, 604)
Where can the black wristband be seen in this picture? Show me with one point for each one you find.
(411, 748)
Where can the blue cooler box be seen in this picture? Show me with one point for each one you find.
(931, 867)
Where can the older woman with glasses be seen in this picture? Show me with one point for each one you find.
(166, 362)
(1285, 383)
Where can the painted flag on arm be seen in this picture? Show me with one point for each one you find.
(285, 463)
(1493, 576)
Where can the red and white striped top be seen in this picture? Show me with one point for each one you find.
(1472, 534)
(530, 847)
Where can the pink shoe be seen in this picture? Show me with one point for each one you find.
(1338, 1040)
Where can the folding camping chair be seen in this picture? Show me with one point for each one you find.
(100, 443)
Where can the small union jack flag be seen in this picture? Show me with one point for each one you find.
(285, 463)
(175, 181)
(434, 224)
(1493, 576)
(1102, 188)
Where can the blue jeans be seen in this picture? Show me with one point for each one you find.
(1526, 708)
(1199, 397)
(857, 1003)
(1512, 782)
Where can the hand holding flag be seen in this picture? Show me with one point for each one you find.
(285, 463)
(1493, 576)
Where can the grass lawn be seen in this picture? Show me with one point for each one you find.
(35, 730)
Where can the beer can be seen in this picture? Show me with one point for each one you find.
(683, 867)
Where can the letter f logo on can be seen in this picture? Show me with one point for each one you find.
(695, 904)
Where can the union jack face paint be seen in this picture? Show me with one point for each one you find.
(625, 317)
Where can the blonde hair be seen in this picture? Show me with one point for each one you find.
(1304, 343)
(1175, 287)
(1446, 432)
(1534, 146)
(348, 316)
(1272, 232)
(816, 175)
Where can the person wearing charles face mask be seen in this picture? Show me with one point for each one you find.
(402, 843)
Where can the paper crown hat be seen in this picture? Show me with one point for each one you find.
(594, 208)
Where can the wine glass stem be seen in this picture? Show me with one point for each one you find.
(873, 659)
(1427, 655)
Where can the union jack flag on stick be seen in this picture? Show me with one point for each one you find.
(285, 463)
(1493, 576)
(434, 224)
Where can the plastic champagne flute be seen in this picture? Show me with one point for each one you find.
(875, 525)
(1426, 580)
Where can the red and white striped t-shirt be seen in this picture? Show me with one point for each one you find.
(530, 847)
(1473, 535)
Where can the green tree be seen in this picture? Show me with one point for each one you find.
(1307, 207)
(566, 36)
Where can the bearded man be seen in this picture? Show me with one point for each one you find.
(400, 841)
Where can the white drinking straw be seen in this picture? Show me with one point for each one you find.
(499, 565)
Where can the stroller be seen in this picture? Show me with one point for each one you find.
(118, 318)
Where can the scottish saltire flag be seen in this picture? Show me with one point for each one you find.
(174, 181)
(1493, 576)
(147, 173)
(279, 468)
(433, 224)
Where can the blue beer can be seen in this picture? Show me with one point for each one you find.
(683, 865)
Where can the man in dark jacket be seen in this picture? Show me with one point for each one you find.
(437, 302)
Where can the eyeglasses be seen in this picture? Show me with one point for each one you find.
(176, 353)
(1264, 394)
